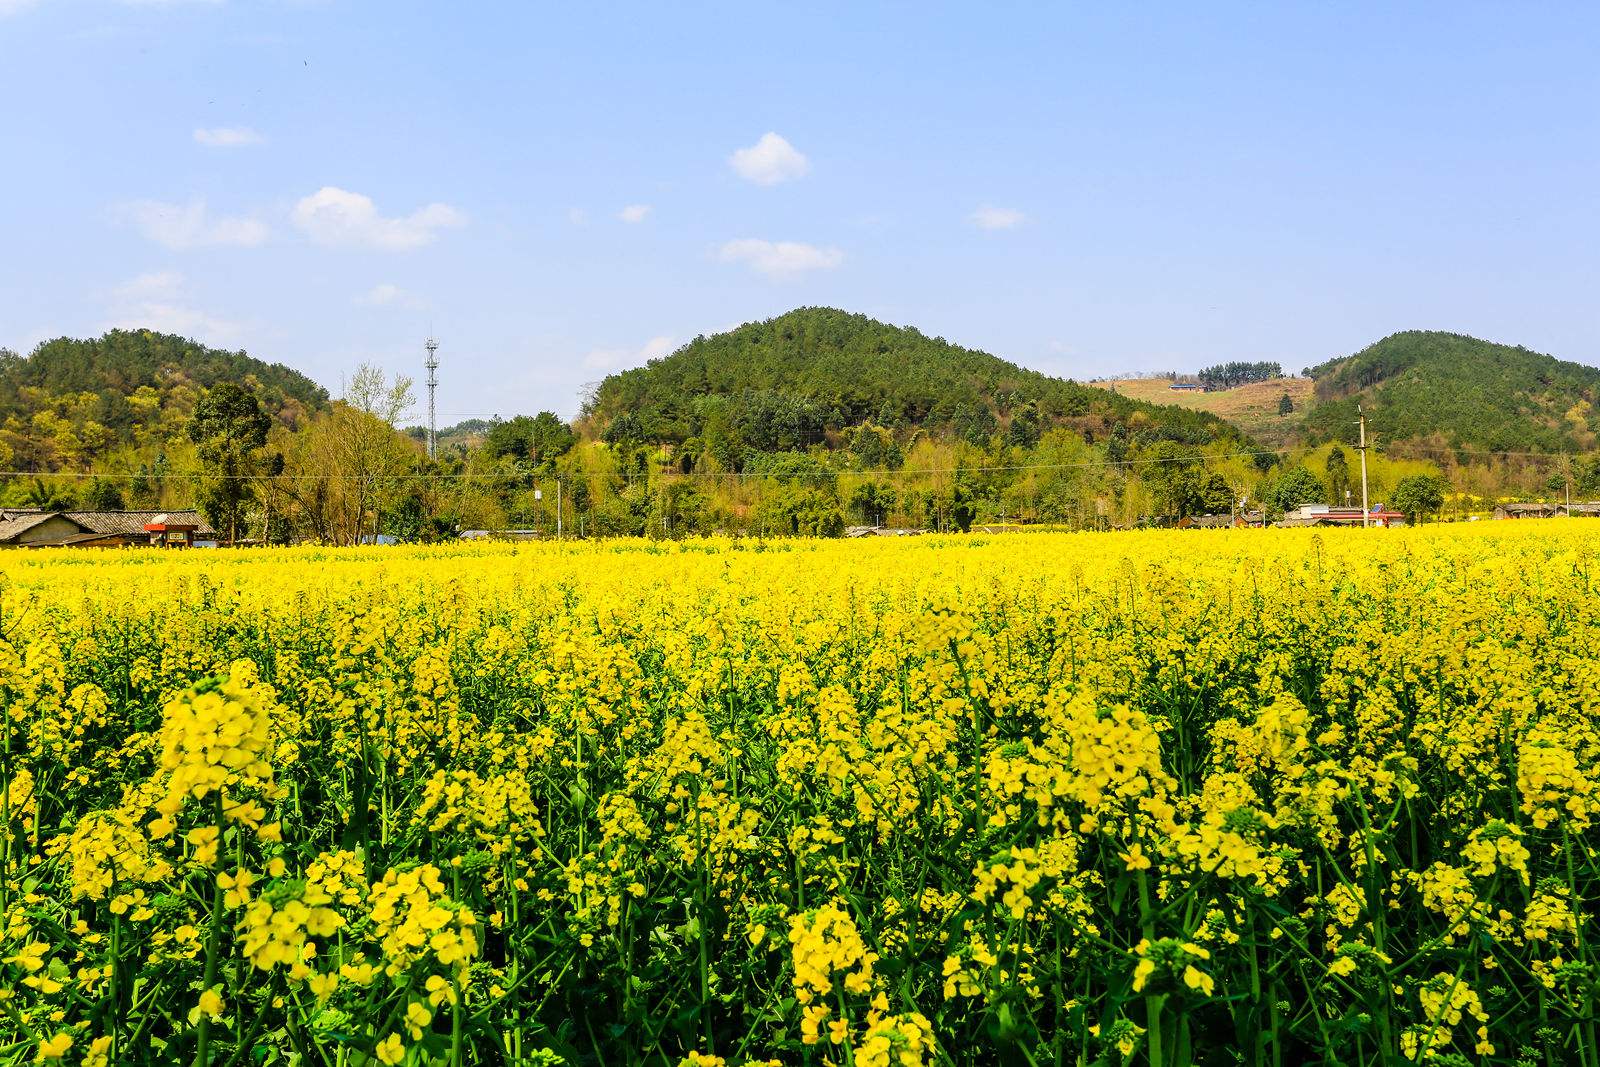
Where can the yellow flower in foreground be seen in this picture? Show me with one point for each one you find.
(1198, 980)
(390, 1050)
(54, 1048)
(211, 1005)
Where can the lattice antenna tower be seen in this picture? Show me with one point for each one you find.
(432, 363)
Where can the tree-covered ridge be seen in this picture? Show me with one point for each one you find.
(1459, 392)
(810, 376)
(71, 403)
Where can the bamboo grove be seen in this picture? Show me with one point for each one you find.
(1260, 797)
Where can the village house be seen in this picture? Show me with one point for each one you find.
(38, 528)
(1323, 515)
(1205, 522)
(880, 531)
(1524, 511)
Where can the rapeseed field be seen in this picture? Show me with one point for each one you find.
(1211, 797)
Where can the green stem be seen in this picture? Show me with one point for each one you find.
(1153, 1002)
(202, 1050)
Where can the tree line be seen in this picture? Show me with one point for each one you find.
(1230, 375)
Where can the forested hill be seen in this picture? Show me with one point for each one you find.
(71, 401)
(804, 377)
(1460, 392)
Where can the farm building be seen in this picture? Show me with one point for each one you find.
(1323, 515)
(499, 535)
(1589, 509)
(28, 527)
(1524, 511)
(38, 528)
(880, 531)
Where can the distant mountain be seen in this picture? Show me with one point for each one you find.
(808, 376)
(1459, 392)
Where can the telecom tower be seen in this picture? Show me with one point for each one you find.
(432, 363)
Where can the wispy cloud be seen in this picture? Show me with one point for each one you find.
(988, 217)
(160, 301)
(611, 359)
(191, 225)
(634, 213)
(780, 259)
(227, 137)
(769, 161)
(577, 216)
(339, 218)
(15, 7)
(387, 295)
(155, 285)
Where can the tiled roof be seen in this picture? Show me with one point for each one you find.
(14, 523)
(134, 522)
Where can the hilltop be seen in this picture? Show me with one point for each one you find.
(72, 401)
(1455, 391)
(808, 376)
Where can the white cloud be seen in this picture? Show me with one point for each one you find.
(780, 259)
(657, 348)
(338, 217)
(387, 295)
(191, 225)
(610, 359)
(769, 161)
(996, 218)
(634, 213)
(156, 285)
(160, 301)
(15, 7)
(577, 216)
(227, 137)
(167, 3)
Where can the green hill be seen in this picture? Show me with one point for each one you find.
(1459, 392)
(810, 376)
(71, 402)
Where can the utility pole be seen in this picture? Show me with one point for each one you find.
(558, 507)
(1362, 448)
(432, 363)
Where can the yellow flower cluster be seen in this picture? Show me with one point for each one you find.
(413, 917)
(215, 741)
(277, 928)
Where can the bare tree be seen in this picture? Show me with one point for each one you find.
(351, 460)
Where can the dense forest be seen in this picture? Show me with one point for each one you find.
(812, 376)
(1446, 391)
(805, 424)
(119, 367)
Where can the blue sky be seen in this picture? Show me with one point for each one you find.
(558, 192)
